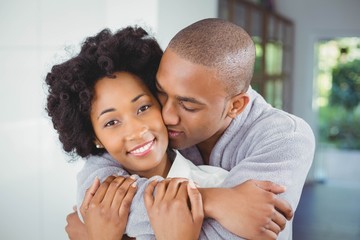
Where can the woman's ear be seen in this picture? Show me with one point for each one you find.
(98, 144)
(238, 104)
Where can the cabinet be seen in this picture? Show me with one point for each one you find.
(273, 35)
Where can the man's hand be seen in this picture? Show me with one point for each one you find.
(75, 228)
(170, 215)
(251, 210)
(106, 210)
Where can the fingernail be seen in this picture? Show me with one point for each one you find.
(93, 184)
(159, 178)
(192, 184)
(134, 184)
(134, 176)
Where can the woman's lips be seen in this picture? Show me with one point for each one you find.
(142, 149)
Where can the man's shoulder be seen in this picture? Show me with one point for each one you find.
(265, 123)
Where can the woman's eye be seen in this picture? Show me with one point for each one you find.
(111, 123)
(143, 108)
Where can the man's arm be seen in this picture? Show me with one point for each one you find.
(283, 158)
(75, 228)
(259, 215)
(138, 222)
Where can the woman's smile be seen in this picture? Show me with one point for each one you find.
(143, 149)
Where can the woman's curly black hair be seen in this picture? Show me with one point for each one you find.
(71, 84)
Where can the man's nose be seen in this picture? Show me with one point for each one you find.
(170, 113)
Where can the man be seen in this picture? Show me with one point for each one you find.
(214, 117)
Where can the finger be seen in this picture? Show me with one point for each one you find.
(197, 209)
(89, 194)
(182, 192)
(284, 208)
(120, 192)
(148, 194)
(279, 220)
(173, 188)
(126, 203)
(270, 186)
(112, 190)
(273, 227)
(268, 234)
(70, 216)
(100, 193)
(160, 190)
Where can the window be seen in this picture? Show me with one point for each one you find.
(273, 38)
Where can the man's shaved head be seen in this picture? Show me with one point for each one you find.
(220, 45)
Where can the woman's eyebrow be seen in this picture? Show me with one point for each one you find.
(106, 111)
(113, 109)
(137, 97)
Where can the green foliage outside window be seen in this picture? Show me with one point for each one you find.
(345, 89)
(339, 90)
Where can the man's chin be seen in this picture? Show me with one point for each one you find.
(178, 145)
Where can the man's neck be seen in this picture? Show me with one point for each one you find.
(205, 148)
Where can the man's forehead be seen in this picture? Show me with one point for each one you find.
(179, 96)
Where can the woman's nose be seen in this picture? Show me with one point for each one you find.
(135, 129)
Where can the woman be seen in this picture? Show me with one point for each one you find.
(101, 103)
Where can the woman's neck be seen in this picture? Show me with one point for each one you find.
(162, 169)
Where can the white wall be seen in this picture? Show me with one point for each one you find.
(37, 184)
(315, 20)
(175, 15)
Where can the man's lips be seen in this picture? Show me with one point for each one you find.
(142, 149)
(173, 133)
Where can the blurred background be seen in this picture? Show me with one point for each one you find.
(308, 63)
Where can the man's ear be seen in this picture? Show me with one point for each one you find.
(238, 104)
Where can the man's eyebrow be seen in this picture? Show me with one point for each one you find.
(106, 111)
(179, 98)
(189, 99)
(157, 84)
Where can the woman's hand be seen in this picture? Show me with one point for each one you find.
(170, 214)
(106, 207)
